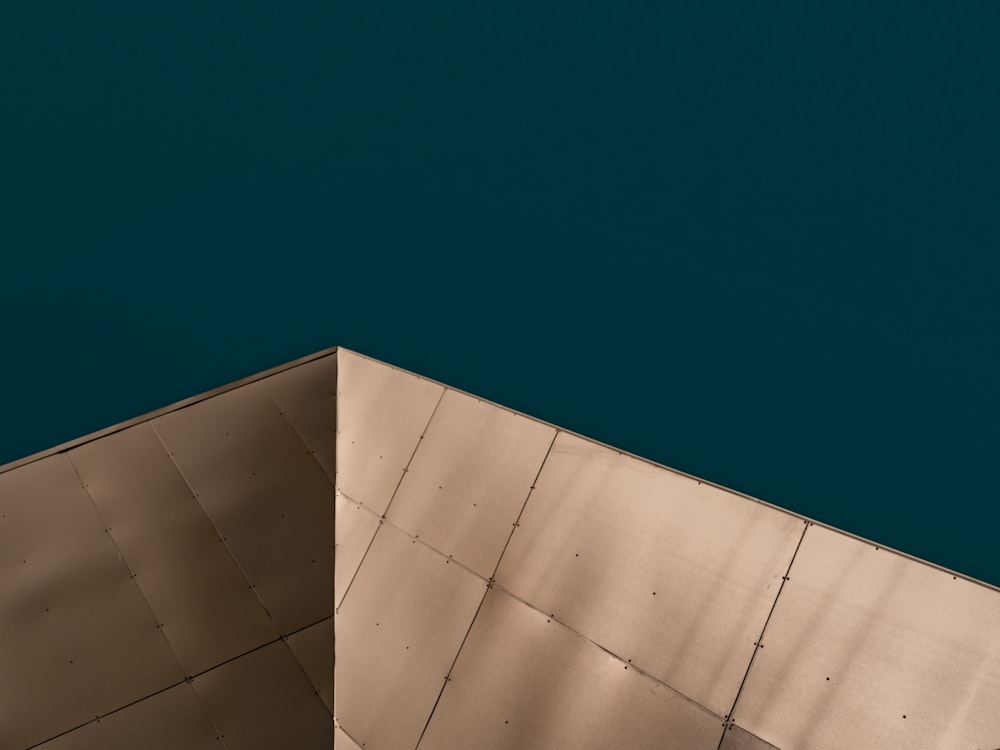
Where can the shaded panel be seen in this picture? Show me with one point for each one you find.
(190, 580)
(267, 496)
(862, 638)
(171, 720)
(740, 739)
(383, 413)
(356, 526)
(76, 638)
(469, 479)
(313, 648)
(656, 567)
(263, 701)
(398, 631)
(342, 742)
(524, 681)
(307, 396)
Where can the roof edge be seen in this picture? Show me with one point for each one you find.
(104, 432)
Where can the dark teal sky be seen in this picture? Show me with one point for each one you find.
(755, 243)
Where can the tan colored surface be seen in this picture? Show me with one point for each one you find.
(676, 576)
(313, 648)
(398, 631)
(523, 682)
(356, 526)
(894, 637)
(342, 742)
(740, 739)
(307, 398)
(469, 479)
(171, 720)
(81, 653)
(270, 500)
(263, 701)
(192, 584)
(379, 426)
(599, 534)
(76, 637)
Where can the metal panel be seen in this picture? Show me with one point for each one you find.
(740, 739)
(342, 742)
(356, 525)
(654, 566)
(171, 720)
(307, 396)
(313, 648)
(869, 649)
(398, 631)
(76, 638)
(271, 502)
(263, 701)
(383, 413)
(191, 582)
(468, 481)
(523, 681)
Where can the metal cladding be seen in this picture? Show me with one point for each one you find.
(493, 582)
(168, 583)
(505, 584)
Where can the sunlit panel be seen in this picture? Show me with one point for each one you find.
(867, 648)
(398, 631)
(524, 681)
(676, 575)
(382, 413)
(469, 479)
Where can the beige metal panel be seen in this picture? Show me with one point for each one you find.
(356, 525)
(307, 396)
(263, 701)
(313, 648)
(398, 631)
(740, 739)
(383, 413)
(523, 681)
(466, 485)
(342, 742)
(170, 720)
(269, 499)
(76, 638)
(861, 638)
(192, 584)
(675, 575)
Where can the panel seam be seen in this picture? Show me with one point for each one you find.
(489, 585)
(758, 645)
(382, 518)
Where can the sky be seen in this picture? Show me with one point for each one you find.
(757, 244)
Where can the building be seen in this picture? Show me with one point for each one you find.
(492, 582)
